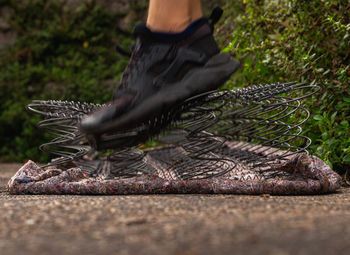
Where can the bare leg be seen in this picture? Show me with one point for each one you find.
(173, 16)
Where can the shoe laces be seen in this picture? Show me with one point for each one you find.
(135, 56)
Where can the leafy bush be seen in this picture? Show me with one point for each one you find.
(61, 54)
(286, 40)
(58, 54)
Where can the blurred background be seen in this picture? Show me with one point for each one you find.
(65, 50)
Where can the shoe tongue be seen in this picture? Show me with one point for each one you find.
(143, 32)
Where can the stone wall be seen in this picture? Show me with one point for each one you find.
(7, 36)
(126, 12)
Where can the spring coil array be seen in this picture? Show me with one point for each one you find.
(268, 118)
(208, 135)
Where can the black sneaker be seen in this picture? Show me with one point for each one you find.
(163, 72)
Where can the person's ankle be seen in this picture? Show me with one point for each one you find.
(175, 36)
(171, 27)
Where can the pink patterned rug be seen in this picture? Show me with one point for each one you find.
(242, 141)
(300, 174)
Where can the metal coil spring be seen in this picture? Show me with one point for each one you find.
(263, 117)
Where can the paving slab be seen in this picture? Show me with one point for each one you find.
(172, 224)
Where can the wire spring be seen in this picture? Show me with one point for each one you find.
(242, 133)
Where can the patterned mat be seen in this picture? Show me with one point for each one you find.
(241, 141)
(299, 174)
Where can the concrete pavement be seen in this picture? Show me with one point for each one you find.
(173, 224)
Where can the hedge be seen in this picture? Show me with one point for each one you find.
(69, 55)
(303, 40)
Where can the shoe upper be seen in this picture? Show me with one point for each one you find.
(159, 62)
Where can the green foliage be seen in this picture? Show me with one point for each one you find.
(64, 54)
(287, 40)
(58, 54)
